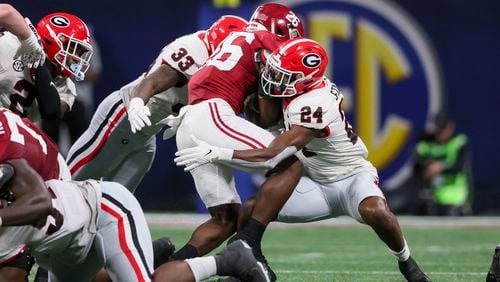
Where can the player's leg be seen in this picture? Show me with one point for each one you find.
(214, 122)
(17, 267)
(138, 162)
(270, 198)
(363, 200)
(235, 260)
(99, 148)
(215, 185)
(125, 234)
(307, 203)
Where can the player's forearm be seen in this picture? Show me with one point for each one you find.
(47, 95)
(13, 21)
(158, 81)
(26, 210)
(261, 158)
(32, 200)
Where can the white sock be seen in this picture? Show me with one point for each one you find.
(402, 255)
(202, 268)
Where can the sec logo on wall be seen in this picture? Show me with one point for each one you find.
(386, 68)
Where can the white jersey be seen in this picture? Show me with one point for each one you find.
(17, 88)
(70, 227)
(340, 151)
(186, 55)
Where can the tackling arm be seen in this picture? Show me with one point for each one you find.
(32, 199)
(155, 82)
(282, 147)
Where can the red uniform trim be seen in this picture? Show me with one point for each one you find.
(94, 152)
(214, 112)
(14, 257)
(123, 241)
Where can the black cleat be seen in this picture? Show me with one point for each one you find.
(494, 272)
(257, 252)
(262, 259)
(237, 260)
(412, 272)
(163, 249)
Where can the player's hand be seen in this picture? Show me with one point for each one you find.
(138, 114)
(201, 154)
(31, 51)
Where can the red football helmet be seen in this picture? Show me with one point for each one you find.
(278, 19)
(222, 28)
(294, 68)
(66, 40)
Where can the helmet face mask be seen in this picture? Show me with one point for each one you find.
(74, 55)
(66, 41)
(277, 19)
(277, 81)
(294, 68)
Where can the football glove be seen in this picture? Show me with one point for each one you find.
(138, 114)
(31, 51)
(201, 154)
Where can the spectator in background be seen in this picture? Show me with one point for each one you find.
(78, 119)
(442, 167)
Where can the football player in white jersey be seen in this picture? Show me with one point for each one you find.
(109, 149)
(30, 51)
(37, 90)
(340, 180)
(58, 220)
(73, 229)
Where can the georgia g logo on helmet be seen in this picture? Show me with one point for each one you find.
(59, 21)
(311, 60)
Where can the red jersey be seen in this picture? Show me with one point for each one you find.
(21, 139)
(231, 73)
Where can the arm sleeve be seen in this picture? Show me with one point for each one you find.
(47, 95)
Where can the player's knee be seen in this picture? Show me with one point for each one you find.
(225, 216)
(374, 210)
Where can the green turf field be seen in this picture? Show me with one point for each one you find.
(356, 254)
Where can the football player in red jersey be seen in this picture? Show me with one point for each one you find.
(75, 228)
(216, 97)
(21, 139)
(339, 179)
(116, 149)
(30, 88)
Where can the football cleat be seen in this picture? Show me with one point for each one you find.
(412, 272)
(237, 260)
(494, 272)
(163, 249)
(257, 252)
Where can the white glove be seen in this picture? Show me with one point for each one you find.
(138, 114)
(202, 154)
(30, 51)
